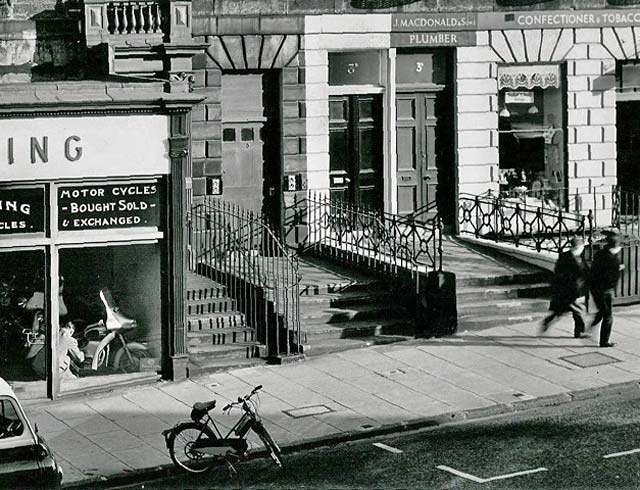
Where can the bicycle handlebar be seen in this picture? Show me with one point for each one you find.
(242, 399)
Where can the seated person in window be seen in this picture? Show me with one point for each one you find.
(538, 186)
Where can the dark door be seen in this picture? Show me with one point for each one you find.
(19, 457)
(417, 174)
(355, 148)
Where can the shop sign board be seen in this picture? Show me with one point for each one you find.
(22, 210)
(54, 148)
(123, 205)
(433, 39)
(455, 21)
(555, 19)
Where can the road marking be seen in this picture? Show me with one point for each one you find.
(477, 479)
(461, 473)
(387, 448)
(623, 453)
(519, 473)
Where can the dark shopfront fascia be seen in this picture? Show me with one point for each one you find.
(92, 209)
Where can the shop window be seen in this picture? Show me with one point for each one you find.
(110, 293)
(23, 322)
(531, 137)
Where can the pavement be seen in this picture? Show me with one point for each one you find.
(349, 395)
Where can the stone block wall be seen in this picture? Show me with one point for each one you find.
(251, 51)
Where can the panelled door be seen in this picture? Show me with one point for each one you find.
(355, 148)
(417, 174)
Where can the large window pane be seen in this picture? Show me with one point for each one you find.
(23, 326)
(111, 293)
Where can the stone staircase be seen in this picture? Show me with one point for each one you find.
(341, 309)
(493, 289)
(217, 333)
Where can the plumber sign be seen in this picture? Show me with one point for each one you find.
(123, 205)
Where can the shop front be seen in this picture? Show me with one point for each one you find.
(89, 274)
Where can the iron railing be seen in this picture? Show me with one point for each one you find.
(235, 247)
(600, 200)
(626, 211)
(540, 229)
(381, 242)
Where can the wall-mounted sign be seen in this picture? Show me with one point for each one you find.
(22, 210)
(52, 148)
(433, 39)
(92, 207)
(558, 18)
(518, 97)
(354, 68)
(455, 21)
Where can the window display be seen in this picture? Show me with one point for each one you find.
(23, 323)
(531, 136)
(113, 325)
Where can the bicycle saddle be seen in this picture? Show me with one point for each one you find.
(200, 409)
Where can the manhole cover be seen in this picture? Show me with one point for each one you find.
(590, 360)
(297, 413)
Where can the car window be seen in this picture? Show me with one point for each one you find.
(10, 423)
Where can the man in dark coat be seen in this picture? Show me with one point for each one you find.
(605, 272)
(568, 287)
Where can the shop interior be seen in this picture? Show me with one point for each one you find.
(531, 147)
(110, 314)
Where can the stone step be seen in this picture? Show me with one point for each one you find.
(330, 345)
(215, 321)
(209, 353)
(475, 322)
(537, 290)
(220, 336)
(312, 333)
(202, 293)
(320, 314)
(520, 279)
(503, 307)
(338, 287)
(209, 366)
(346, 298)
(210, 305)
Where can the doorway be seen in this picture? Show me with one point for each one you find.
(628, 125)
(251, 134)
(355, 149)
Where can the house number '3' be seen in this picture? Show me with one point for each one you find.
(351, 68)
(419, 66)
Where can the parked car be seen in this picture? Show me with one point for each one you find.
(25, 459)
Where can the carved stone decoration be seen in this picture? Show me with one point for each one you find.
(182, 77)
(253, 52)
(179, 153)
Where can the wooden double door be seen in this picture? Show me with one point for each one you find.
(417, 151)
(355, 149)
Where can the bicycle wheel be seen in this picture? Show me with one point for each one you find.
(181, 449)
(269, 443)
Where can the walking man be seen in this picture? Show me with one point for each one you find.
(568, 287)
(605, 272)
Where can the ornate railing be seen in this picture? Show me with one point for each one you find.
(380, 241)
(540, 229)
(234, 247)
(626, 211)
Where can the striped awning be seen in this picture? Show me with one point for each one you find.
(528, 76)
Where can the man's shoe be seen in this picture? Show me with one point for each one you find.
(608, 344)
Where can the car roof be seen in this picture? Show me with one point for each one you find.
(5, 389)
